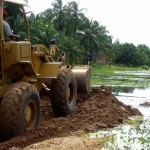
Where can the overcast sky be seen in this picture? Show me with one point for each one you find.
(126, 20)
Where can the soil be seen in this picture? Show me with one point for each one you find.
(94, 111)
(145, 104)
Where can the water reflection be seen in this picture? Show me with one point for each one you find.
(116, 90)
(134, 97)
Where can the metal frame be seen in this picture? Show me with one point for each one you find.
(21, 2)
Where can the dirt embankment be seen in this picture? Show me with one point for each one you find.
(94, 111)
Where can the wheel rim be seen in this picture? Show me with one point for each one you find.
(29, 115)
(70, 93)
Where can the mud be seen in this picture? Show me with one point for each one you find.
(94, 111)
(145, 104)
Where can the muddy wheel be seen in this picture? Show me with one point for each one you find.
(63, 92)
(20, 110)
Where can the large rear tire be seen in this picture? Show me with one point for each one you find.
(64, 92)
(20, 110)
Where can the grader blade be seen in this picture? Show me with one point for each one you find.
(82, 75)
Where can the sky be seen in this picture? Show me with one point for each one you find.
(126, 20)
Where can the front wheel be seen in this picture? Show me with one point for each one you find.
(20, 109)
(64, 92)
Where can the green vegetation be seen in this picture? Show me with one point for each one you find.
(81, 38)
(136, 135)
(111, 69)
(120, 76)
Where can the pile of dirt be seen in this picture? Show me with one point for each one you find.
(94, 111)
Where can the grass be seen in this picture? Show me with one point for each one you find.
(119, 76)
(106, 69)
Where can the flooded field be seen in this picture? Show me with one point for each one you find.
(136, 97)
(132, 88)
(139, 79)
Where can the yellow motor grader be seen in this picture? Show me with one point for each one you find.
(25, 70)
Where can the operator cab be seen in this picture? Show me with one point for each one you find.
(17, 20)
(11, 52)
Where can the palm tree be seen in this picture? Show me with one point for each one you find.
(46, 16)
(19, 27)
(15, 19)
(86, 23)
(90, 42)
(105, 47)
(73, 51)
(75, 16)
(42, 32)
(58, 14)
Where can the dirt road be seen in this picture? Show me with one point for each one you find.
(94, 111)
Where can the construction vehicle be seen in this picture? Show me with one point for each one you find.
(26, 69)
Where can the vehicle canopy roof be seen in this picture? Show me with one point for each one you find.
(21, 2)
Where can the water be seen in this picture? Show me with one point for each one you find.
(124, 78)
(127, 137)
(134, 97)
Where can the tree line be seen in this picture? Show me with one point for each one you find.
(82, 39)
